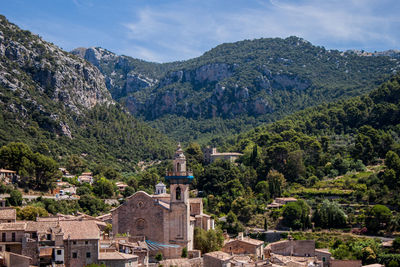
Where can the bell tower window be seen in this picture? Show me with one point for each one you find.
(178, 167)
(178, 193)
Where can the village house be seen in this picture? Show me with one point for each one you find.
(217, 259)
(211, 155)
(9, 259)
(72, 243)
(281, 201)
(118, 259)
(135, 245)
(121, 186)
(8, 176)
(8, 215)
(300, 251)
(166, 220)
(244, 246)
(86, 177)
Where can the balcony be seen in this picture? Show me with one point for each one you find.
(185, 174)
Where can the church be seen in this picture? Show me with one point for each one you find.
(167, 220)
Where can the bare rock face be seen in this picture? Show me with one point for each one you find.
(43, 75)
(124, 79)
(62, 77)
(213, 72)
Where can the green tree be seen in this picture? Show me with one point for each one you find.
(159, 256)
(262, 188)
(92, 205)
(296, 215)
(103, 188)
(329, 215)
(194, 154)
(392, 161)
(31, 213)
(276, 182)
(184, 253)
(148, 180)
(75, 165)
(129, 191)
(84, 189)
(15, 198)
(46, 172)
(208, 241)
(378, 218)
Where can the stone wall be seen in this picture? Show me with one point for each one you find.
(239, 247)
(346, 263)
(140, 215)
(81, 248)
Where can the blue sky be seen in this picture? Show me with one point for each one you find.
(169, 30)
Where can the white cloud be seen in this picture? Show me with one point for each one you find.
(183, 30)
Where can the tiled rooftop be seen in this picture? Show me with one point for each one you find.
(8, 214)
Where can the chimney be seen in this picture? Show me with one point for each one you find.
(240, 236)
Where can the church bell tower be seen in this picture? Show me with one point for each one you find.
(180, 179)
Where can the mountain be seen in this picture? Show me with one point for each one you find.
(59, 104)
(236, 86)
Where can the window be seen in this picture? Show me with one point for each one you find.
(178, 193)
(34, 235)
(74, 255)
(86, 242)
(323, 259)
(87, 254)
(48, 236)
(3, 237)
(74, 242)
(59, 251)
(13, 237)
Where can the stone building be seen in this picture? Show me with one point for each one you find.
(244, 246)
(166, 221)
(211, 155)
(72, 243)
(300, 251)
(118, 259)
(8, 215)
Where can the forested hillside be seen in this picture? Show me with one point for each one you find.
(341, 161)
(237, 86)
(331, 140)
(59, 105)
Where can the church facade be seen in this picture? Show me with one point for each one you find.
(166, 219)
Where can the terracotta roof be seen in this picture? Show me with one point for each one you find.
(41, 226)
(116, 256)
(104, 216)
(80, 230)
(325, 251)
(219, 255)
(7, 171)
(8, 214)
(248, 240)
(17, 226)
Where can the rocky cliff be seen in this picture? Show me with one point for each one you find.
(257, 80)
(59, 102)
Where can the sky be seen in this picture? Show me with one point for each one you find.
(170, 30)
